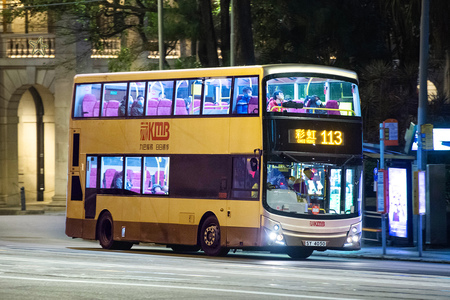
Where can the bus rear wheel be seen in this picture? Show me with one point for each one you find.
(105, 234)
(299, 252)
(210, 238)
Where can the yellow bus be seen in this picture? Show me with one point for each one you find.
(253, 158)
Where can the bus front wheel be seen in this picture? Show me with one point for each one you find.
(210, 238)
(105, 234)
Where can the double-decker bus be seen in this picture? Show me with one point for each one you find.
(253, 158)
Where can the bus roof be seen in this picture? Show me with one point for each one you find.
(224, 71)
(308, 69)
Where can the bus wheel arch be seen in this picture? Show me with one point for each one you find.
(105, 233)
(209, 236)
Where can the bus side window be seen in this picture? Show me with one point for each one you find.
(156, 175)
(87, 96)
(245, 177)
(112, 172)
(113, 94)
(246, 99)
(216, 97)
(91, 172)
(133, 174)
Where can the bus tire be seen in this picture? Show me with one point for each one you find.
(299, 252)
(105, 234)
(210, 238)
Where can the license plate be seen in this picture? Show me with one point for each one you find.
(315, 243)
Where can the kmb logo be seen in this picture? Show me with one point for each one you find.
(155, 131)
(317, 223)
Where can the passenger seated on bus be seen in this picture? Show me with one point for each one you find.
(242, 104)
(117, 181)
(275, 103)
(137, 108)
(122, 106)
(314, 101)
(157, 189)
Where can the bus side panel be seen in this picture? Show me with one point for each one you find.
(243, 223)
(129, 226)
(245, 135)
(154, 220)
(185, 216)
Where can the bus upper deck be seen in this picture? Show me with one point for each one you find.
(209, 92)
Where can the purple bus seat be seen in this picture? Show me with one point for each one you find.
(334, 104)
(152, 107)
(88, 105)
(164, 107)
(159, 178)
(296, 110)
(136, 183)
(96, 109)
(180, 108)
(93, 178)
(147, 183)
(253, 105)
(209, 108)
(112, 108)
(130, 174)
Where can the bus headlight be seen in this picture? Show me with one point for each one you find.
(272, 236)
(354, 235)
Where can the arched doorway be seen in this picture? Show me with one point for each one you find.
(35, 147)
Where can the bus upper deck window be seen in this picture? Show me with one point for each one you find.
(159, 98)
(246, 99)
(87, 100)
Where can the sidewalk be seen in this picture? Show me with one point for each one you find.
(393, 253)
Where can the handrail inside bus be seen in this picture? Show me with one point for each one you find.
(349, 111)
(307, 87)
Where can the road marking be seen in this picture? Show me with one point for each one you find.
(175, 287)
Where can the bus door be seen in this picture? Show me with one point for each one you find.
(92, 183)
(341, 190)
(243, 220)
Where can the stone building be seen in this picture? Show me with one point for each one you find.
(37, 66)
